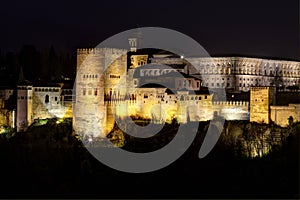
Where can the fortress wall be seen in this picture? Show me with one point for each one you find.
(232, 110)
(42, 109)
(281, 114)
(5, 117)
(53, 109)
(195, 110)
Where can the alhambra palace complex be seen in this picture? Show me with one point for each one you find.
(159, 86)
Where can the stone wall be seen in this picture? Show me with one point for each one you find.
(160, 107)
(6, 117)
(280, 114)
(53, 109)
(232, 110)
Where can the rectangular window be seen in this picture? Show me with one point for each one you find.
(95, 91)
(84, 92)
(90, 92)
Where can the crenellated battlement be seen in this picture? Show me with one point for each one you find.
(231, 103)
(100, 50)
(258, 88)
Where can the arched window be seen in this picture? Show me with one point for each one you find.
(47, 98)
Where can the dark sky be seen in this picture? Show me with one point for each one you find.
(268, 28)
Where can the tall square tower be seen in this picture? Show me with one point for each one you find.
(261, 98)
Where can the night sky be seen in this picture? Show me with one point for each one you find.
(261, 28)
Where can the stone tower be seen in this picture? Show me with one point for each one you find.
(100, 73)
(261, 98)
(135, 42)
(24, 103)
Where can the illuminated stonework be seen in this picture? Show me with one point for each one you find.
(240, 73)
(260, 100)
(6, 116)
(138, 60)
(102, 95)
(281, 114)
(41, 102)
(94, 83)
(119, 92)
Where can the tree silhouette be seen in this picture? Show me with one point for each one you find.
(291, 120)
(30, 61)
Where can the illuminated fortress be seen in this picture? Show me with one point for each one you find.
(115, 84)
(165, 86)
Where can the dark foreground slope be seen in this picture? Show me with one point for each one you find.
(48, 162)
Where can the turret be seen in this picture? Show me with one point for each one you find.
(24, 103)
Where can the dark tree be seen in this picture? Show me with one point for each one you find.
(54, 65)
(30, 60)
